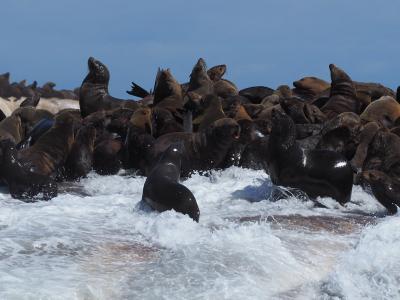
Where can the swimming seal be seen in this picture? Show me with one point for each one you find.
(316, 172)
(162, 190)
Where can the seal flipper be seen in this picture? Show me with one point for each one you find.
(37, 131)
(138, 91)
(31, 101)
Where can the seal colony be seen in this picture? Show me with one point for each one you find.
(318, 137)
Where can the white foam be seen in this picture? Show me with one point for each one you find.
(93, 242)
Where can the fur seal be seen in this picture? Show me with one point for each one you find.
(93, 94)
(167, 92)
(340, 134)
(139, 140)
(385, 111)
(256, 93)
(384, 154)
(163, 122)
(384, 188)
(222, 87)
(107, 155)
(316, 172)
(203, 150)
(342, 94)
(48, 91)
(225, 88)
(217, 72)
(247, 136)
(80, 159)
(200, 82)
(234, 109)
(162, 190)
(119, 121)
(32, 171)
(375, 90)
(301, 112)
(308, 88)
(11, 128)
(31, 101)
(30, 116)
(212, 110)
(253, 155)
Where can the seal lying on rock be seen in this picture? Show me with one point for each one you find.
(384, 111)
(316, 172)
(162, 190)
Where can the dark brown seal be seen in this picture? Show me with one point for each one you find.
(211, 107)
(200, 82)
(11, 129)
(94, 95)
(385, 189)
(316, 172)
(80, 159)
(167, 92)
(203, 150)
(30, 173)
(300, 111)
(343, 96)
(162, 190)
(256, 93)
(107, 154)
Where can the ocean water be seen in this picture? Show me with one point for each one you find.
(94, 241)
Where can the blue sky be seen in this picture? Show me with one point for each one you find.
(262, 42)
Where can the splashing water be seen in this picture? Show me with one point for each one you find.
(94, 242)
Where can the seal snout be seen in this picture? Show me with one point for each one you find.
(92, 62)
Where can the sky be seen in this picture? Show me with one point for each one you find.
(262, 42)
